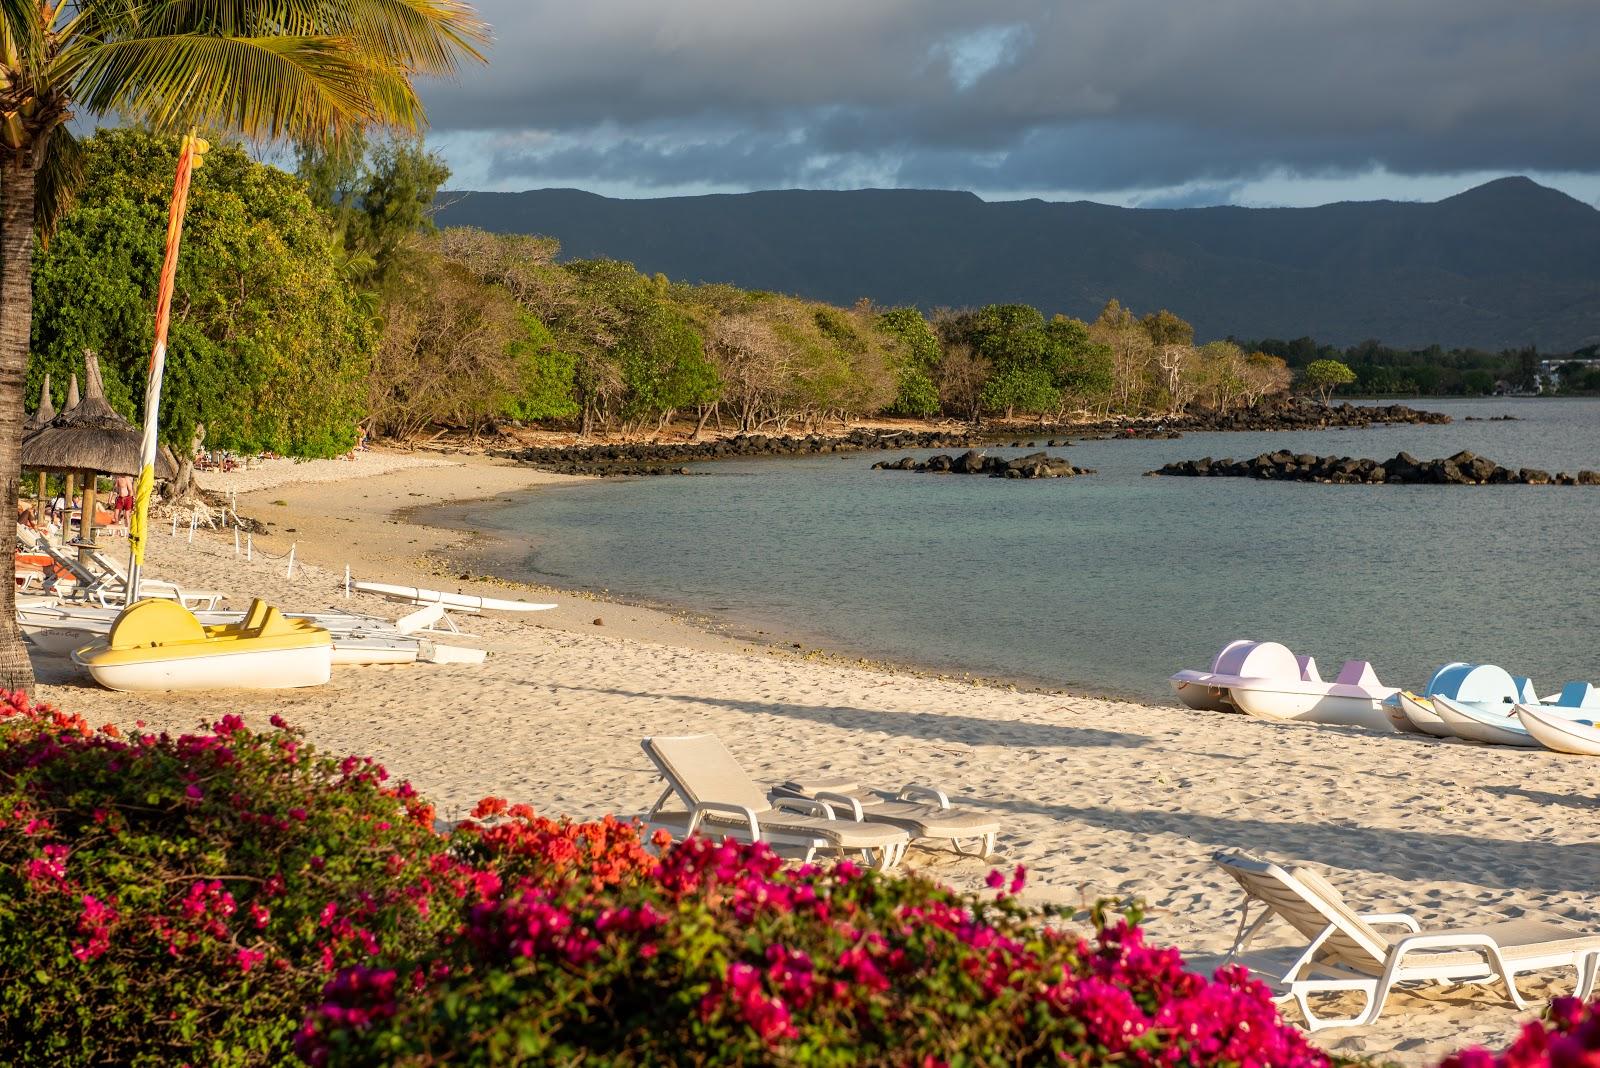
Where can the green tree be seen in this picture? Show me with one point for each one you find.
(1165, 328)
(268, 349)
(263, 68)
(1080, 367)
(379, 197)
(1325, 376)
(915, 364)
(544, 375)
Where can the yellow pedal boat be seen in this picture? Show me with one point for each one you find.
(160, 645)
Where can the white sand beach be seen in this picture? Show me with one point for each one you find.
(1099, 797)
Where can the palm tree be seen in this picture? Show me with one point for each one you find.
(303, 70)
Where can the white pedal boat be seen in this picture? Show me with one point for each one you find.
(56, 629)
(1569, 731)
(1267, 680)
(160, 645)
(1476, 703)
(1490, 724)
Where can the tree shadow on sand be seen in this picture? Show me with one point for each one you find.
(1545, 797)
(1411, 856)
(923, 726)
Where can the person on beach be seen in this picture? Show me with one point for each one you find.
(58, 507)
(122, 488)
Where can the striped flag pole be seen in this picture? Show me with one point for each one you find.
(139, 522)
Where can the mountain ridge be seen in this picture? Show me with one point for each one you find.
(1504, 264)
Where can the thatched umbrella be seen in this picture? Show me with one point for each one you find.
(38, 421)
(89, 437)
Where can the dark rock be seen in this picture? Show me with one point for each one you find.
(1462, 469)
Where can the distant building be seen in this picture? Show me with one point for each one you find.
(1550, 370)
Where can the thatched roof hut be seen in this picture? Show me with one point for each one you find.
(44, 413)
(88, 436)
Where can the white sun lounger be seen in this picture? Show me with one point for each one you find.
(923, 811)
(718, 796)
(1348, 952)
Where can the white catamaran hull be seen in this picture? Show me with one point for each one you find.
(464, 601)
(1192, 689)
(1474, 725)
(1420, 714)
(1558, 733)
(271, 669)
(1277, 702)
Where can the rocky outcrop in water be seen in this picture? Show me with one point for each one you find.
(653, 459)
(973, 462)
(1462, 469)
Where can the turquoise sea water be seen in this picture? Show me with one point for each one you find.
(1109, 583)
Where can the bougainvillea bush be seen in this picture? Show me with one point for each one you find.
(720, 955)
(170, 899)
(233, 897)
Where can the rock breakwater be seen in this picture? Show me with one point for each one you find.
(667, 459)
(1462, 469)
(973, 462)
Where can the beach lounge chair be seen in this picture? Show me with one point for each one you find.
(719, 796)
(1349, 952)
(923, 811)
(115, 579)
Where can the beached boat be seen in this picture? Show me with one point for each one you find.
(1566, 731)
(1477, 703)
(160, 645)
(464, 602)
(56, 629)
(1417, 713)
(1490, 724)
(1267, 680)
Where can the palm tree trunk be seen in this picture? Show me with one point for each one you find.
(16, 322)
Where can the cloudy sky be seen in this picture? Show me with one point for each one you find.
(1140, 102)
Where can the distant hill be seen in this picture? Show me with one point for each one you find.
(1505, 264)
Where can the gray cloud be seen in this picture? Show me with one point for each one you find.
(1028, 94)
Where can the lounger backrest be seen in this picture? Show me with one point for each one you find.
(1309, 904)
(700, 769)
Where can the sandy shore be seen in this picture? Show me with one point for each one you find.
(1100, 797)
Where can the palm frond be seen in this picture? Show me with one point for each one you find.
(59, 174)
(419, 36)
(22, 33)
(262, 87)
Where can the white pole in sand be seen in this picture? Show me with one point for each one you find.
(193, 518)
(236, 541)
(290, 573)
(347, 582)
(174, 524)
(249, 546)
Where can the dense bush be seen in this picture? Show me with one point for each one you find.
(167, 899)
(722, 956)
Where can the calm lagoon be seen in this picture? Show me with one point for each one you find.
(1108, 583)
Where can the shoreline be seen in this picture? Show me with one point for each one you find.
(1098, 798)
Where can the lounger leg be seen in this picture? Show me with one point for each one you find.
(1587, 967)
(1370, 1010)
